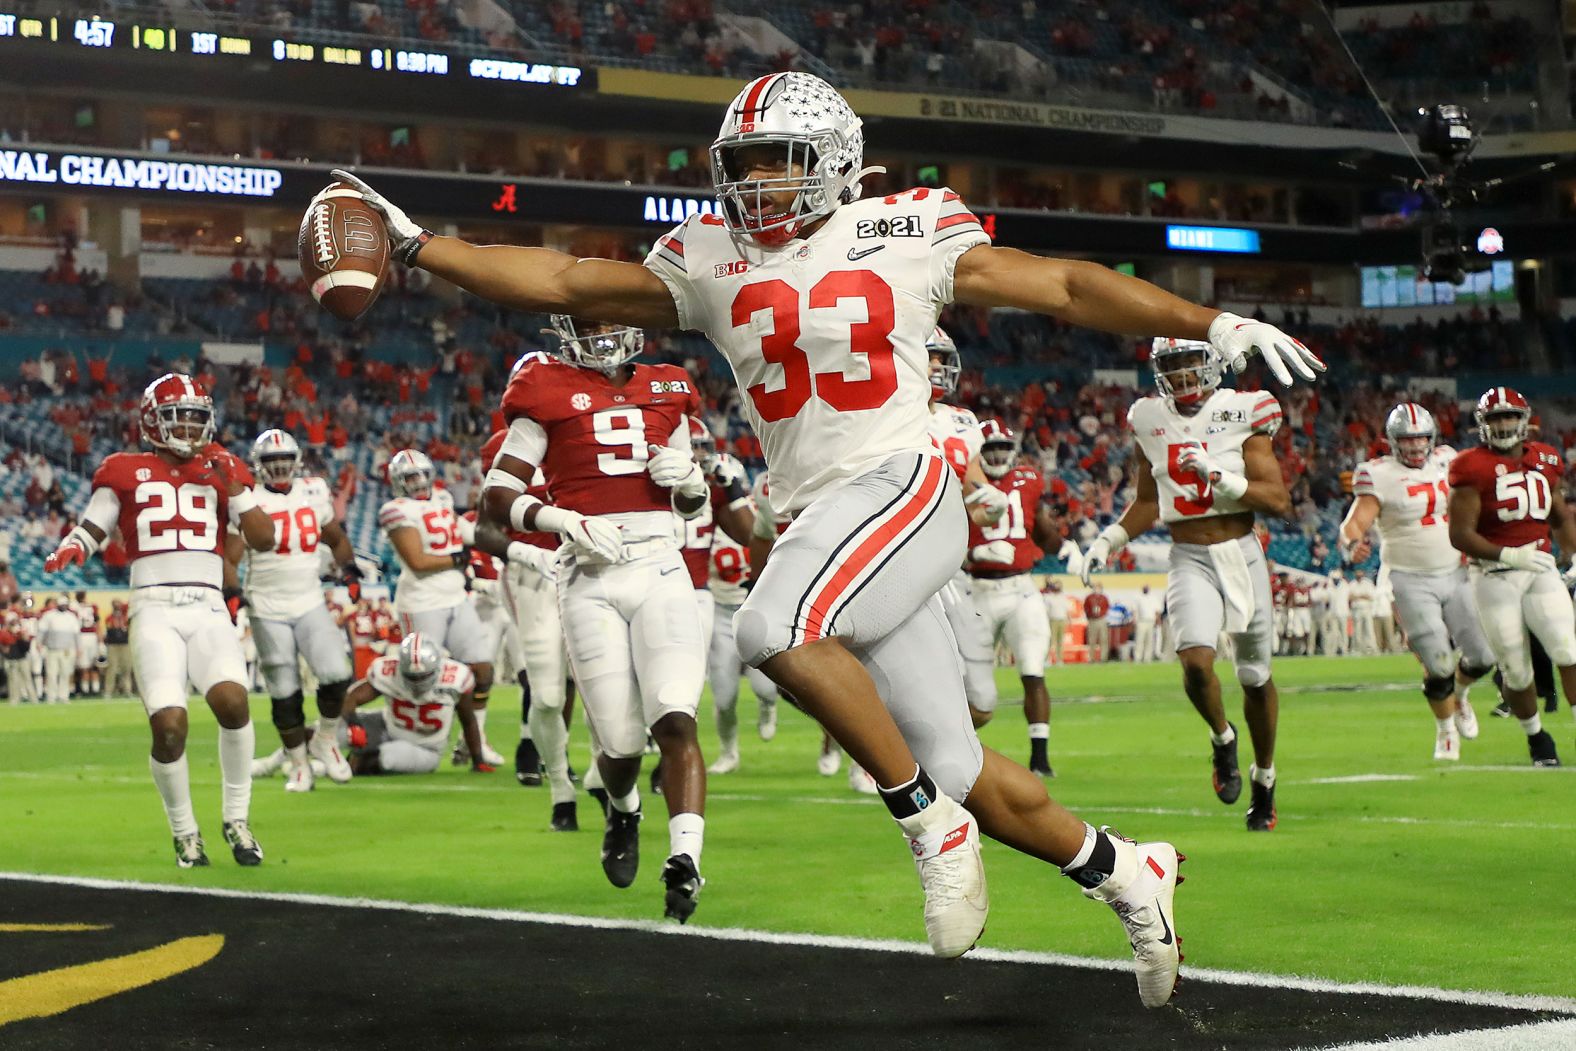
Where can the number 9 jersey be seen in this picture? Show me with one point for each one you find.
(826, 335)
(1222, 425)
(1516, 495)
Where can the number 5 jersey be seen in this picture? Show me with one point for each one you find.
(1225, 421)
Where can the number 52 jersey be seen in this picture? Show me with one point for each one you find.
(1516, 495)
(826, 334)
(1226, 420)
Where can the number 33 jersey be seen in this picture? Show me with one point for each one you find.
(1226, 420)
(826, 334)
(171, 516)
(1516, 494)
(1414, 530)
(282, 582)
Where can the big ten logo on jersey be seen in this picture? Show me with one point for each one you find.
(175, 518)
(732, 268)
(670, 387)
(895, 226)
(303, 538)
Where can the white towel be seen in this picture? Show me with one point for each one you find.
(1237, 581)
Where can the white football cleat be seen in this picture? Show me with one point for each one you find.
(328, 754)
(860, 781)
(1140, 891)
(829, 762)
(945, 841)
(766, 720)
(726, 763)
(299, 777)
(1466, 719)
(1447, 745)
(270, 764)
(490, 755)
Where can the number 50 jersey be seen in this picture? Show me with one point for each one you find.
(826, 334)
(1517, 495)
(1226, 420)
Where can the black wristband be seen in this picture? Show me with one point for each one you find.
(410, 249)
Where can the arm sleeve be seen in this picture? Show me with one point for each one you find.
(527, 440)
(956, 231)
(103, 509)
(667, 262)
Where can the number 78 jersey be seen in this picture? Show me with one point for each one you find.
(826, 334)
(1516, 495)
(282, 582)
(1222, 425)
(1414, 530)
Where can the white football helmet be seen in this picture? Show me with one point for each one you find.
(596, 345)
(419, 661)
(944, 373)
(815, 131)
(411, 474)
(1412, 433)
(1186, 370)
(276, 457)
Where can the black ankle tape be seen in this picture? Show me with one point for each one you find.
(910, 798)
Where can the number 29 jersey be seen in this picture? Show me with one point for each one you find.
(171, 516)
(282, 582)
(826, 334)
(1222, 425)
(1516, 495)
(1414, 530)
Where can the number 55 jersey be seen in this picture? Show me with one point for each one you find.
(826, 335)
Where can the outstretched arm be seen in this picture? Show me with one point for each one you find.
(1354, 527)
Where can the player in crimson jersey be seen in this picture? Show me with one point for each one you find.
(171, 506)
(613, 441)
(1404, 494)
(822, 303)
(1001, 554)
(1506, 503)
(1205, 467)
(290, 621)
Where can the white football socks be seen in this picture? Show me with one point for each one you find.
(626, 804)
(1532, 726)
(173, 781)
(685, 835)
(1039, 731)
(551, 737)
(1265, 777)
(328, 728)
(235, 767)
(1225, 738)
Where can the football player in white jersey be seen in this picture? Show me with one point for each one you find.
(430, 594)
(1405, 494)
(956, 432)
(1205, 466)
(822, 303)
(424, 691)
(288, 618)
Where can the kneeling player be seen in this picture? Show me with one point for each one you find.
(425, 690)
(1204, 465)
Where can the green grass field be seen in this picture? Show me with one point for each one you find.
(1454, 876)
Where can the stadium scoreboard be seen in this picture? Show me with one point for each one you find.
(98, 34)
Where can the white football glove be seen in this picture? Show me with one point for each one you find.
(1193, 457)
(467, 531)
(675, 470)
(543, 561)
(1239, 338)
(1095, 559)
(993, 500)
(722, 470)
(588, 534)
(1527, 556)
(405, 237)
(998, 551)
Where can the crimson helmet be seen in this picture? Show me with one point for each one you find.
(944, 373)
(1186, 370)
(702, 442)
(411, 474)
(276, 457)
(1503, 418)
(999, 449)
(1407, 423)
(172, 406)
(821, 143)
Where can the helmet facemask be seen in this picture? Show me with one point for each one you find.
(946, 365)
(1413, 450)
(278, 470)
(601, 346)
(996, 458)
(748, 207)
(1186, 375)
(185, 426)
(1504, 428)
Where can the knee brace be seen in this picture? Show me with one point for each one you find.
(754, 636)
(1472, 671)
(1438, 687)
(289, 712)
(331, 698)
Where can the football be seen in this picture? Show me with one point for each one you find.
(343, 248)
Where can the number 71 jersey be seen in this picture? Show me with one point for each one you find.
(826, 334)
(1516, 495)
(1222, 425)
(1414, 530)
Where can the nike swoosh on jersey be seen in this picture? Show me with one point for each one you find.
(670, 569)
(856, 254)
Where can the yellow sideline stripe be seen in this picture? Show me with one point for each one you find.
(53, 992)
(36, 928)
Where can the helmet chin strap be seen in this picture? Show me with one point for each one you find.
(854, 189)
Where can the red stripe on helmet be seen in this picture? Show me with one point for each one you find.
(751, 107)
